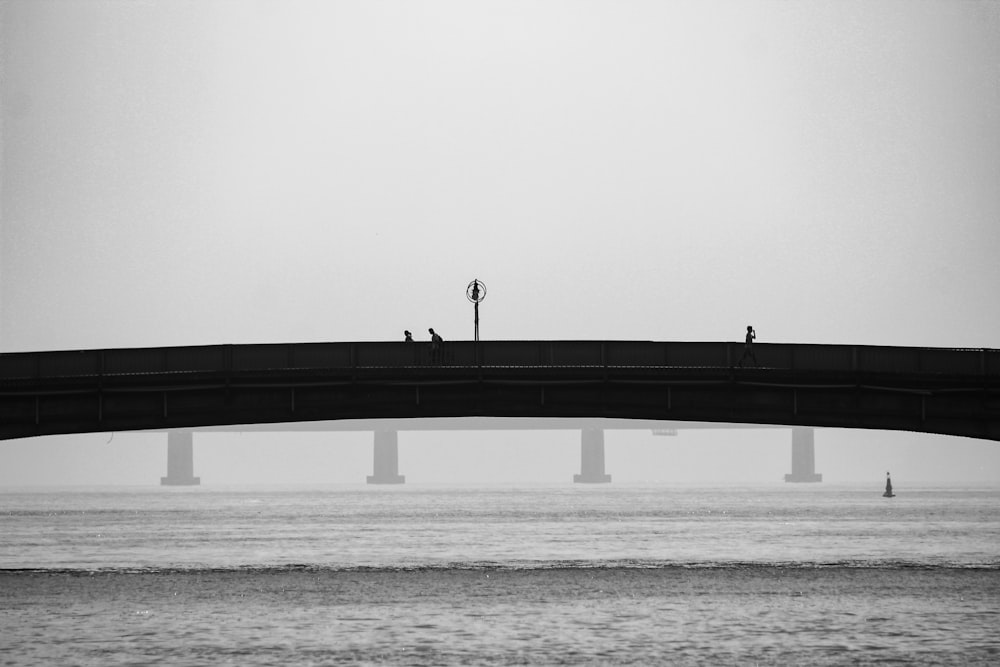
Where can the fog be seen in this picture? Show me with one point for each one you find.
(704, 457)
(180, 173)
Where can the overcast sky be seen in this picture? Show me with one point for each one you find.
(204, 172)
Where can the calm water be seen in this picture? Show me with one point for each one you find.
(571, 574)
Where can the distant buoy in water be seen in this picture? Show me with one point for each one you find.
(888, 488)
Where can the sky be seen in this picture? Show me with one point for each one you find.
(179, 173)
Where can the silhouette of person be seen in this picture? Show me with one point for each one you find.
(748, 347)
(436, 342)
(409, 337)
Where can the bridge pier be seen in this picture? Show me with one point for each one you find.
(386, 459)
(180, 460)
(803, 456)
(592, 457)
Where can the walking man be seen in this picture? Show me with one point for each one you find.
(436, 342)
(748, 348)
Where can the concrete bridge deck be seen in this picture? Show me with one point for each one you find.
(936, 390)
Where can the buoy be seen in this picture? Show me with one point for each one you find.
(888, 488)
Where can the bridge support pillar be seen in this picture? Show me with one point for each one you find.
(803, 456)
(180, 460)
(592, 458)
(386, 461)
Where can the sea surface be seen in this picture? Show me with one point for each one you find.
(796, 574)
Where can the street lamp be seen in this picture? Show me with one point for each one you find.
(476, 292)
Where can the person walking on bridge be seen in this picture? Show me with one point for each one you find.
(436, 342)
(748, 347)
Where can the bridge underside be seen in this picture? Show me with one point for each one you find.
(894, 401)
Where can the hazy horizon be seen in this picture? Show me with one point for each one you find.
(709, 456)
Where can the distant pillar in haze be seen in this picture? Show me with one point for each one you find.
(803, 456)
(592, 458)
(386, 461)
(180, 460)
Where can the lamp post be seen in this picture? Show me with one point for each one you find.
(476, 292)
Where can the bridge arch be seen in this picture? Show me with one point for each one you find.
(933, 390)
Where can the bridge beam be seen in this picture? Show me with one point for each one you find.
(180, 460)
(803, 456)
(385, 465)
(592, 458)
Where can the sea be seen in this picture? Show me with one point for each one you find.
(562, 574)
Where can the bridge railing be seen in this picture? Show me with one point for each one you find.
(319, 356)
(162, 360)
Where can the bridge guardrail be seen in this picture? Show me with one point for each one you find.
(639, 353)
(514, 353)
(19, 365)
(163, 359)
(575, 353)
(397, 354)
(321, 355)
(888, 359)
(61, 363)
(991, 362)
(135, 360)
(263, 357)
(963, 362)
(699, 354)
(822, 357)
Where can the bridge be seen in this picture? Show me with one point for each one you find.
(933, 390)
